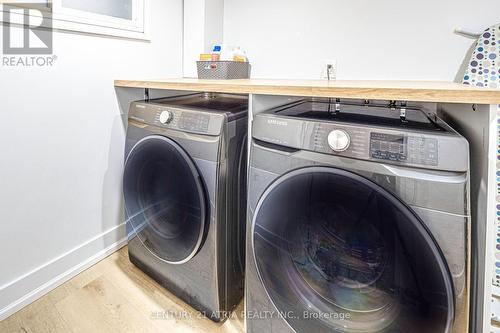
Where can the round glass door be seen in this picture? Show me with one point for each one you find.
(338, 253)
(164, 199)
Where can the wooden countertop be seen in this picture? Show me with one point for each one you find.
(418, 91)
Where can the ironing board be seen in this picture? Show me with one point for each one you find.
(484, 71)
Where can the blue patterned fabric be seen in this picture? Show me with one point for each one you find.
(484, 71)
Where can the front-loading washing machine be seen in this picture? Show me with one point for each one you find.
(185, 196)
(358, 221)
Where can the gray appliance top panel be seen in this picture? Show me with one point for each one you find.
(233, 105)
(199, 113)
(374, 115)
(428, 143)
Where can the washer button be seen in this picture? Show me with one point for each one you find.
(339, 140)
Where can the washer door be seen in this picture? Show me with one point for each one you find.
(338, 253)
(164, 199)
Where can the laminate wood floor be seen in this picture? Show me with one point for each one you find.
(114, 296)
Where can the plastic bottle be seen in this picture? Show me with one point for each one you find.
(239, 55)
(226, 53)
(216, 53)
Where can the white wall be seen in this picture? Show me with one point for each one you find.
(62, 136)
(383, 39)
(194, 36)
(203, 27)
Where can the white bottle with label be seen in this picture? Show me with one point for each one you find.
(239, 55)
(226, 54)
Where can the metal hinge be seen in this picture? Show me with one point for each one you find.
(402, 111)
(392, 105)
(337, 105)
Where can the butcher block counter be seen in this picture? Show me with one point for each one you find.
(419, 91)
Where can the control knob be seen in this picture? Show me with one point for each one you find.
(166, 117)
(339, 140)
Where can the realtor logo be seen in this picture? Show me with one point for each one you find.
(26, 29)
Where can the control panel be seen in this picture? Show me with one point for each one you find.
(388, 147)
(197, 122)
(403, 148)
(373, 144)
(194, 122)
(444, 150)
(177, 118)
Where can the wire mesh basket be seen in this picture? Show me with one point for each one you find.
(223, 70)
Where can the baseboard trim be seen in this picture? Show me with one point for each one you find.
(29, 287)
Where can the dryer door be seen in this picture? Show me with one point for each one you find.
(164, 199)
(335, 252)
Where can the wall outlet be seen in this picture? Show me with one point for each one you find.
(329, 69)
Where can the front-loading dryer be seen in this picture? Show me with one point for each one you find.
(358, 221)
(185, 196)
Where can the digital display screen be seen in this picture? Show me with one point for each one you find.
(404, 149)
(388, 137)
(388, 147)
(194, 122)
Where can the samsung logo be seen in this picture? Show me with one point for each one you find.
(277, 122)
